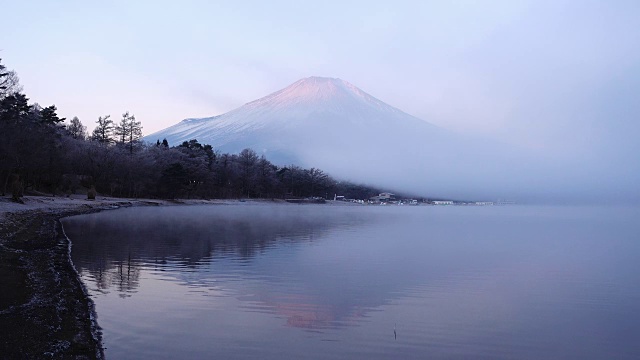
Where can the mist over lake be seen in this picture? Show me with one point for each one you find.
(363, 282)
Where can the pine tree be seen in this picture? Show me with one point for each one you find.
(14, 108)
(48, 116)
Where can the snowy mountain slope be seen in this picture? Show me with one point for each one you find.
(309, 108)
(331, 124)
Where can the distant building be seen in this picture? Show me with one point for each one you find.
(442, 202)
(383, 197)
(484, 203)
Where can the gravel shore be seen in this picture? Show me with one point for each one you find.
(44, 309)
(45, 312)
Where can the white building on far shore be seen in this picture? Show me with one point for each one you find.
(442, 202)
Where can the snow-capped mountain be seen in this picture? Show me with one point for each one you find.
(333, 125)
(284, 124)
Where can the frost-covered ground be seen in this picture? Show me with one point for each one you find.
(44, 203)
(72, 202)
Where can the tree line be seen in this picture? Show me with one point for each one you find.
(41, 152)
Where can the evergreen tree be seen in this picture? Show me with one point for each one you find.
(48, 116)
(14, 108)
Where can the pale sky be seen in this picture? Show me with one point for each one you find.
(559, 76)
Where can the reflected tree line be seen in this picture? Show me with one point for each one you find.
(41, 152)
(113, 249)
(203, 245)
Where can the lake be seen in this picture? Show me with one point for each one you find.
(254, 281)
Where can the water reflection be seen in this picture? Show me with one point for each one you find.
(243, 281)
(213, 247)
(188, 236)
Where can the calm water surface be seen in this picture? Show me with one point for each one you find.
(334, 282)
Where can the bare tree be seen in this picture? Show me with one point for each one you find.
(103, 131)
(266, 177)
(120, 131)
(129, 131)
(317, 180)
(9, 82)
(247, 160)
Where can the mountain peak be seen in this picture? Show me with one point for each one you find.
(321, 79)
(314, 90)
(324, 85)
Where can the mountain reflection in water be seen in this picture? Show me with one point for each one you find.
(113, 250)
(242, 281)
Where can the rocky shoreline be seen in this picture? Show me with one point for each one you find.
(45, 311)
